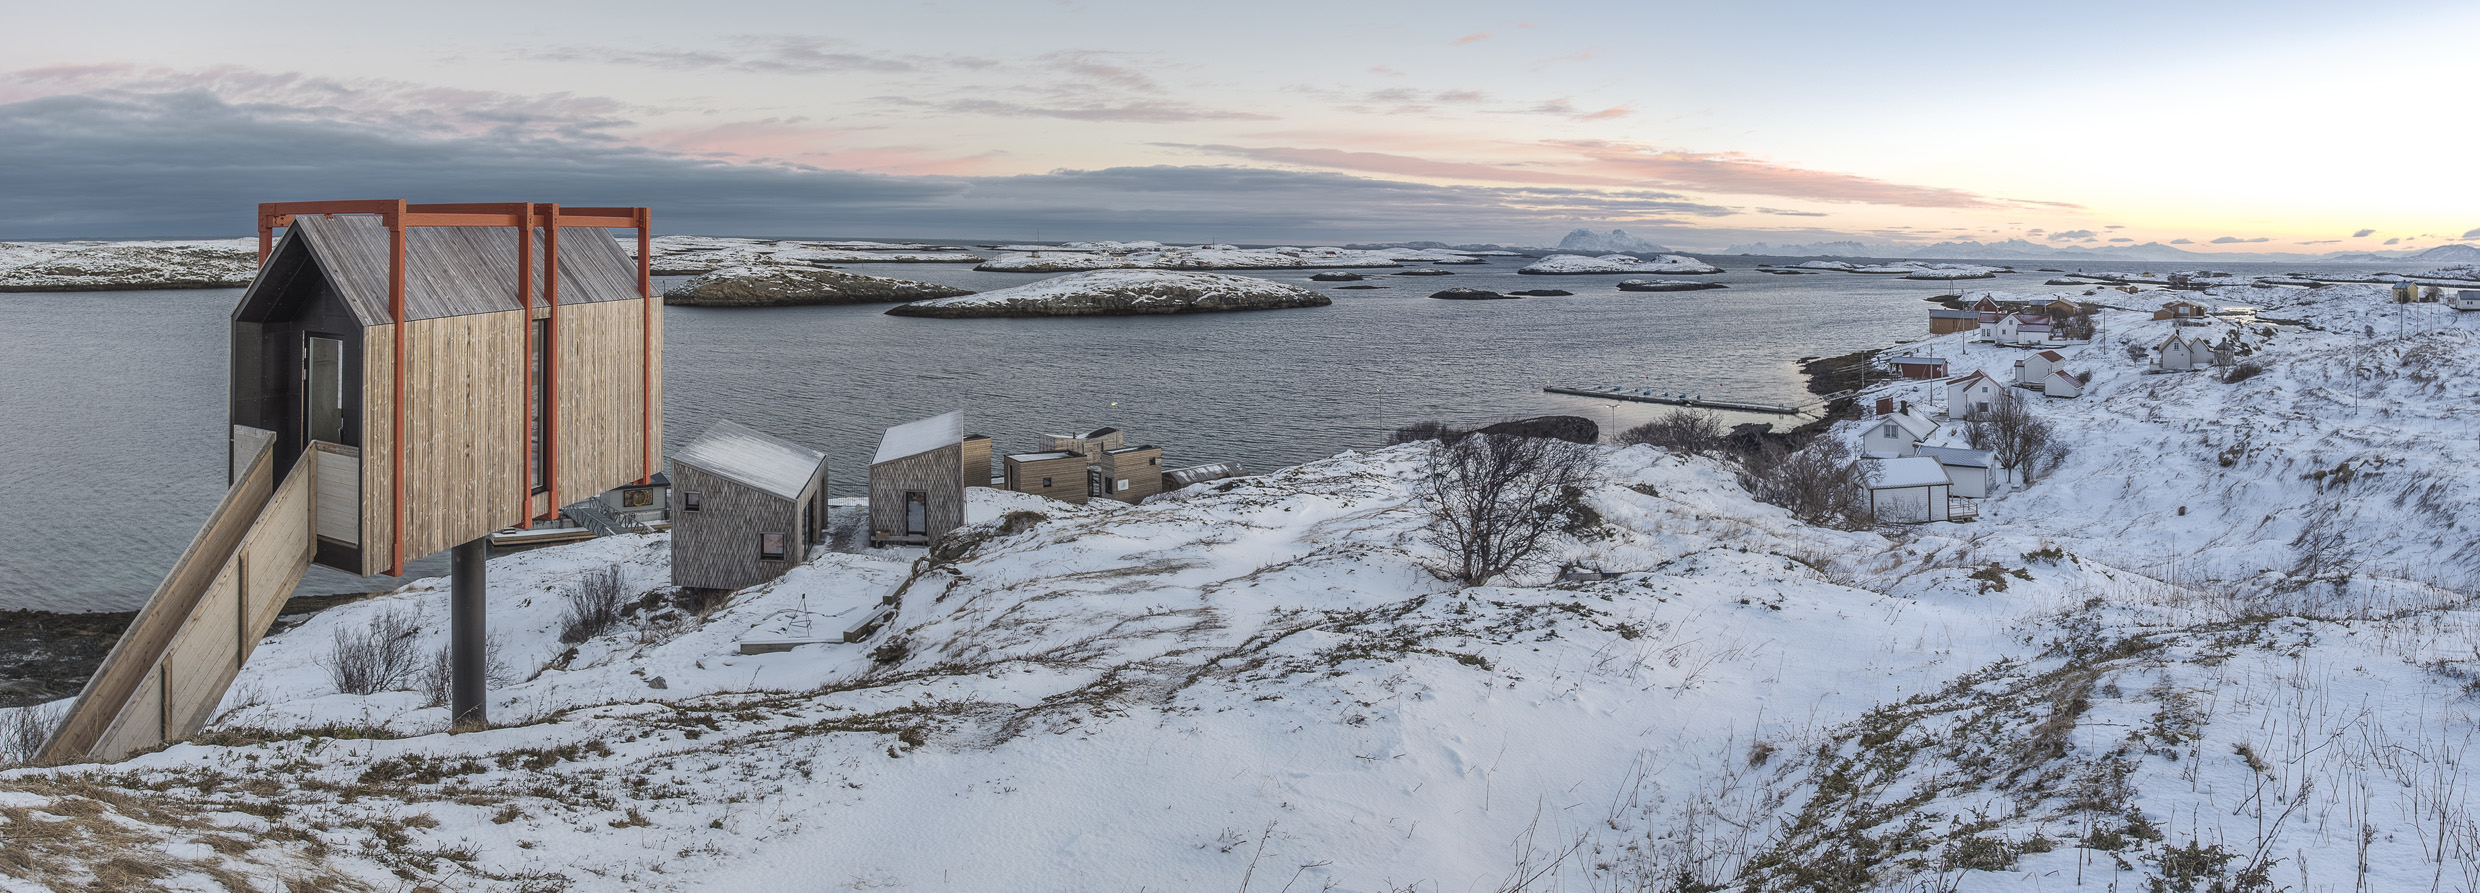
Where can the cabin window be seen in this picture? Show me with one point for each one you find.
(1094, 485)
(689, 500)
(1154, 461)
(916, 513)
(540, 460)
(322, 390)
(770, 547)
(1046, 482)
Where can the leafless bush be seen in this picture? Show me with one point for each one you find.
(1681, 430)
(435, 676)
(23, 731)
(1420, 431)
(1495, 499)
(1823, 484)
(374, 658)
(2017, 437)
(2243, 372)
(593, 605)
(2138, 352)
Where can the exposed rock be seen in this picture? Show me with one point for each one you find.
(1357, 287)
(1563, 427)
(1543, 293)
(1472, 294)
(1666, 285)
(1337, 277)
(1122, 293)
(1425, 273)
(91, 266)
(779, 285)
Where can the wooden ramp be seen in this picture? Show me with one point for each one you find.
(172, 666)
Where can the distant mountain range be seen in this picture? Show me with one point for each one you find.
(2019, 249)
(1616, 241)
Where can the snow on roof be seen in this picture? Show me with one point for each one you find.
(1045, 454)
(918, 437)
(753, 457)
(1916, 361)
(1959, 456)
(1098, 433)
(1914, 425)
(1915, 471)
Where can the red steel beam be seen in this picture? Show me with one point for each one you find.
(645, 328)
(394, 218)
(525, 350)
(551, 351)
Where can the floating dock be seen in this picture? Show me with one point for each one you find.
(1648, 395)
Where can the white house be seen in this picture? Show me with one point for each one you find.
(2062, 384)
(2464, 299)
(1895, 434)
(1967, 469)
(1909, 491)
(2178, 354)
(2034, 370)
(2021, 328)
(1972, 395)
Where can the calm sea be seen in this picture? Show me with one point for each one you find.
(112, 403)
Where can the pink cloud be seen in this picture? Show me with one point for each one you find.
(1475, 37)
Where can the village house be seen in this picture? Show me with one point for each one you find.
(2464, 299)
(1095, 464)
(917, 481)
(2062, 383)
(2022, 328)
(1966, 469)
(751, 506)
(1919, 367)
(1947, 322)
(2181, 354)
(1895, 435)
(1910, 490)
(1971, 396)
(2033, 371)
(2182, 309)
(1987, 310)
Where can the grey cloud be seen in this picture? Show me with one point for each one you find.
(2073, 235)
(2182, 241)
(2121, 239)
(2319, 242)
(2362, 234)
(2472, 234)
(2235, 240)
(1142, 110)
(768, 54)
(186, 165)
(2393, 240)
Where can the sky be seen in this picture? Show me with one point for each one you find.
(2274, 125)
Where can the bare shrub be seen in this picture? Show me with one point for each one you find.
(1679, 430)
(1823, 484)
(1420, 431)
(593, 605)
(2243, 372)
(1495, 499)
(374, 658)
(2017, 437)
(23, 731)
(435, 676)
(2138, 353)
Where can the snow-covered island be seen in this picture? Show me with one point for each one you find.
(116, 266)
(1122, 293)
(1910, 269)
(696, 255)
(1576, 264)
(778, 285)
(1146, 255)
(2224, 638)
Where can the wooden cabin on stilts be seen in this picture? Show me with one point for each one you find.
(405, 379)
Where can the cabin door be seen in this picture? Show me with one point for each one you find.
(916, 513)
(322, 390)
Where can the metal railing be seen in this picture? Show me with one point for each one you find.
(594, 516)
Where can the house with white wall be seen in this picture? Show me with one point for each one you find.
(2181, 354)
(2034, 370)
(2062, 383)
(1971, 396)
(1969, 470)
(1910, 490)
(1895, 434)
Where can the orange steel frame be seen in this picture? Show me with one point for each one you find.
(397, 215)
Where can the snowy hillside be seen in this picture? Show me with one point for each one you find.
(1078, 256)
(1618, 263)
(2113, 677)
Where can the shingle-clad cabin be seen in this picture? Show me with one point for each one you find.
(917, 481)
(520, 392)
(746, 507)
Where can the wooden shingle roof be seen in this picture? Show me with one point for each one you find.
(456, 270)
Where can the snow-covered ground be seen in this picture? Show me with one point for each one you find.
(1121, 293)
(1077, 256)
(705, 254)
(1907, 269)
(2121, 673)
(1619, 263)
(82, 266)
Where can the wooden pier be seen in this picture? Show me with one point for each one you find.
(1647, 395)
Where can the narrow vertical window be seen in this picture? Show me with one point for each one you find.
(539, 332)
(770, 547)
(323, 389)
(916, 513)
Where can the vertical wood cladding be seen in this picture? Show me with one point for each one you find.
(1065, 473)
(938, 474)
(977, 460)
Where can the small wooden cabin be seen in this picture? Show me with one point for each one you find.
(1130, 474)
(748, 507)
(1947, 322)
(977, 461)
(1057, 474)
(1922, 368)
(1909, 491)
(917, 482)
(532, 370)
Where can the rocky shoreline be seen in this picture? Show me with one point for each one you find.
(47, 655)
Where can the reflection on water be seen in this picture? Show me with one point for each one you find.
(112, 423)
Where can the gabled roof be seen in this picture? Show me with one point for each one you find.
(918, 437)
(2173, 339)
(2062, 373)
(752, 457)
(1966, 380)
(1953, 314)
(451, 270)
(2052, 356)
(1985, 303)
(1098, 434)
(1913, 426)
(1912, 471)
(1957, 456)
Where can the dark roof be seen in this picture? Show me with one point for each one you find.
(1098, 434)
(455, 270)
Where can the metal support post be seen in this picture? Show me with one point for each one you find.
(467, 635)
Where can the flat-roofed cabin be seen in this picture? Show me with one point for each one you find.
(518, 391)
(1130, 474)
(750, 507)
(1057, 474)
(917, 482)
